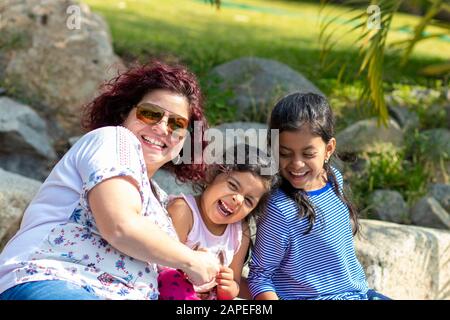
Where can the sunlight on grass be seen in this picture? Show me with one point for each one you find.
(195, 33)
(202, 36)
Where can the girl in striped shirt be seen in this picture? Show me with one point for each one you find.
(304, 243)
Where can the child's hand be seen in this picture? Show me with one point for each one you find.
(227, 288)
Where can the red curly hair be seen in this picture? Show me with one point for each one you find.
(121, 94)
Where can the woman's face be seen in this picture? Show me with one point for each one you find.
(159, 146)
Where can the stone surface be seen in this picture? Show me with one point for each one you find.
(16, 192)
(25, 147)
(367, 136)
(257, 84)
(388, 205)
(167, 181)
(405, 262)
(54, 54)
(427, 212)
(441, 192)
(405, 118)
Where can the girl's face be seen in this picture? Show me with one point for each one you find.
(158, 144)
(230, 198)
(302, 156)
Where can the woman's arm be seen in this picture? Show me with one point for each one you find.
(182, 218)
(116, 205)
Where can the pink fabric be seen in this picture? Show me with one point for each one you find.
(174, 285)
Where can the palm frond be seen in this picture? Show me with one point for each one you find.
(371, 44)
(420, 28)
(214, 3)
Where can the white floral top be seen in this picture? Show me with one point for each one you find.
(58, 238)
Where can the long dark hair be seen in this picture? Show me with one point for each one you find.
(313, 110)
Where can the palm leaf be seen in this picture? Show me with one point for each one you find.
(436, 69)
(372, 44)
(420, 28)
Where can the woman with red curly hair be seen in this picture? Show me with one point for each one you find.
(97, 228)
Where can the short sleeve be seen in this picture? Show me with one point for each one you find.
(339, 178)
(109, 152)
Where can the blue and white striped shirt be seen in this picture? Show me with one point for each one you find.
(319, 265)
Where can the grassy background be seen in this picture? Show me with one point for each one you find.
(194, 33)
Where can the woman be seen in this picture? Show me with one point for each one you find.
(97, 228)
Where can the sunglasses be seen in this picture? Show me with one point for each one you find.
(152, 114)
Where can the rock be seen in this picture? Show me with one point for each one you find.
(367, 136)
(16, 192)
(54, 54)
(405, 118)
(252, 133)
(405, 262)
(167, 181)
(257, 84)
(388, 205)
(441, 192)
(25, 146)
(73, 140)
(427, 212)
(437, 143)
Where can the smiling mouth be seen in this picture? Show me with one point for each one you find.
(298, 174)
(154, 142)
(224, 209)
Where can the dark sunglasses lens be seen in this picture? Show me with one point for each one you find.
(149, 114)
(177, 123)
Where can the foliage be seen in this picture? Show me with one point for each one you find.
(427, 103)
(390, 169)
(372, 43)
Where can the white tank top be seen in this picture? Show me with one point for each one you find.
(229, 242)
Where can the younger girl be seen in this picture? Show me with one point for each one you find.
(216, 221)
(304, 243)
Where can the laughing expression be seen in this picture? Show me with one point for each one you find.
(158, 145)
(229, 199)
(302, 156)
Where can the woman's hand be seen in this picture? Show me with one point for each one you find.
(227, 287)
(204, 268)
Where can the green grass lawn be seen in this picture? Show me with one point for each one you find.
(195, 33)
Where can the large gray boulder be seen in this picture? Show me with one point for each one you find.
(25, 147)
(168, 182)
(406, 118)
(368, 136)
(388, 205)
(54, 54)
(441, 192)
(405, 262)
(257, 84)
(428, 212)
(16, 192)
